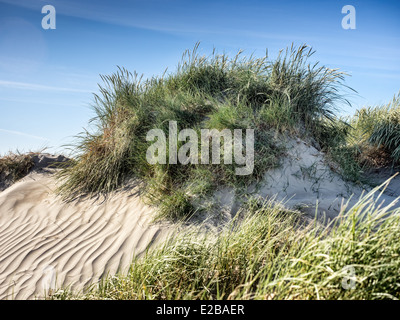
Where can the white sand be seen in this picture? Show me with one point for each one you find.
(80, 240)
(305, 178)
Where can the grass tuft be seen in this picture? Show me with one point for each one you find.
(13, 167)
(214, 92)
(375, 135)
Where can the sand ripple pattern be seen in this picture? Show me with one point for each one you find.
(80, 240)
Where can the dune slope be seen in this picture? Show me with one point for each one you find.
(77, 241)
(47, 242)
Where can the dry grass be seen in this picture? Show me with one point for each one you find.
(13, 167)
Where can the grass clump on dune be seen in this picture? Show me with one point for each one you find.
(369, 139)
(13, 167)
(267, 252)
(375, 135)
(214, 92)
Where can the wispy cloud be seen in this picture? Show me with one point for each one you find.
(24, 134)
(144, 15)
(89, 11)
(34, 86)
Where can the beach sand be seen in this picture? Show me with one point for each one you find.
(78, 241)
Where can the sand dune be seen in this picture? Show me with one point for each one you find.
(46, 242)
(305, 177)
(80, 241)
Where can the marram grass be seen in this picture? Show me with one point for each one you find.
(375, 134)
(15, 166)
(216, 92)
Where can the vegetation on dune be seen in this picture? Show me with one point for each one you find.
(375, 134)
(13, 167)
(268, 252)
(287, 95)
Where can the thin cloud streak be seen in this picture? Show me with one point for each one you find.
(34, 86)
(24, 134)
(101, 14)
(90, 12)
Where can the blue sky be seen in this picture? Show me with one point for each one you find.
(47, 77)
